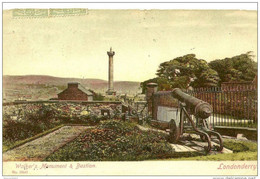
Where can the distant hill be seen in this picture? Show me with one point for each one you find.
(45, 87)
(51, 80)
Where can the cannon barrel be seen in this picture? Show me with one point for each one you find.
(197, 107)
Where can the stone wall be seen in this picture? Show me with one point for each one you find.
(163, 99)
(160, 98)
(68, 110)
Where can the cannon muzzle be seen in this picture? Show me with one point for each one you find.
(197, 107)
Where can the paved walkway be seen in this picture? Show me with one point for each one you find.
(42, 147)
(187, 146)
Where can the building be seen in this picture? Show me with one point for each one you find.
(76, 91)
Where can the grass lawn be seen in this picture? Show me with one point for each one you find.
(243, 150)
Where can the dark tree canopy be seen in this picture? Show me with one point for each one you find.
(183, 72)
(188, 71)
(236, 69)
(163, 84)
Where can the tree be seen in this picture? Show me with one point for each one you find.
(97, 96)
(163, 84)
(238, 68)
(183, 72)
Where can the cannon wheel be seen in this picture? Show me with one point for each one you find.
(174, 131)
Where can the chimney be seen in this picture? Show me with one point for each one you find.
(73, 85)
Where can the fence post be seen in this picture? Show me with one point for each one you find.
(151, 89)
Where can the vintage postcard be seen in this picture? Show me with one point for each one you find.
(129, 91)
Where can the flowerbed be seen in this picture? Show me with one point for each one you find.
(115, 140)
(26, 120)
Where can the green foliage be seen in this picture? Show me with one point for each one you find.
(115, 141)
(117, 126)
(33, 122)
(94, 119)
(98, 97)
(183, 72)
(240, 146)
(187, 70)
(7, 144)
(17, 130)
(147, 120)
(237, 147)
(35, 119)
(41, 116)
(238, 68)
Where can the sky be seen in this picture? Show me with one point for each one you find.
(76, 46)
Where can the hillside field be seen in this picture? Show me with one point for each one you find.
(39, 87)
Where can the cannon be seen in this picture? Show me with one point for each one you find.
(201, 110)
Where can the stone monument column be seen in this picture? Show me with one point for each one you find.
(110, 90)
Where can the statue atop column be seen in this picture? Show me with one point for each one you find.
(110, 90)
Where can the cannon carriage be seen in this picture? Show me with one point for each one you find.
(181, 113)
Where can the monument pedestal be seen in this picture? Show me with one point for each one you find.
(111, 92)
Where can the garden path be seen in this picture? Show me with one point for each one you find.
(42, 147)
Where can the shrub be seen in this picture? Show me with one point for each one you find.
(115, 141)
(24, 121)
(98, 97)
(32, 122)
(94, 119)
(148, 119)
(117, 126)
(17, 130)
(42, 115)
(237, 147)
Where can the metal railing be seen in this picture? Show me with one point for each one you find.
(234, 107)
